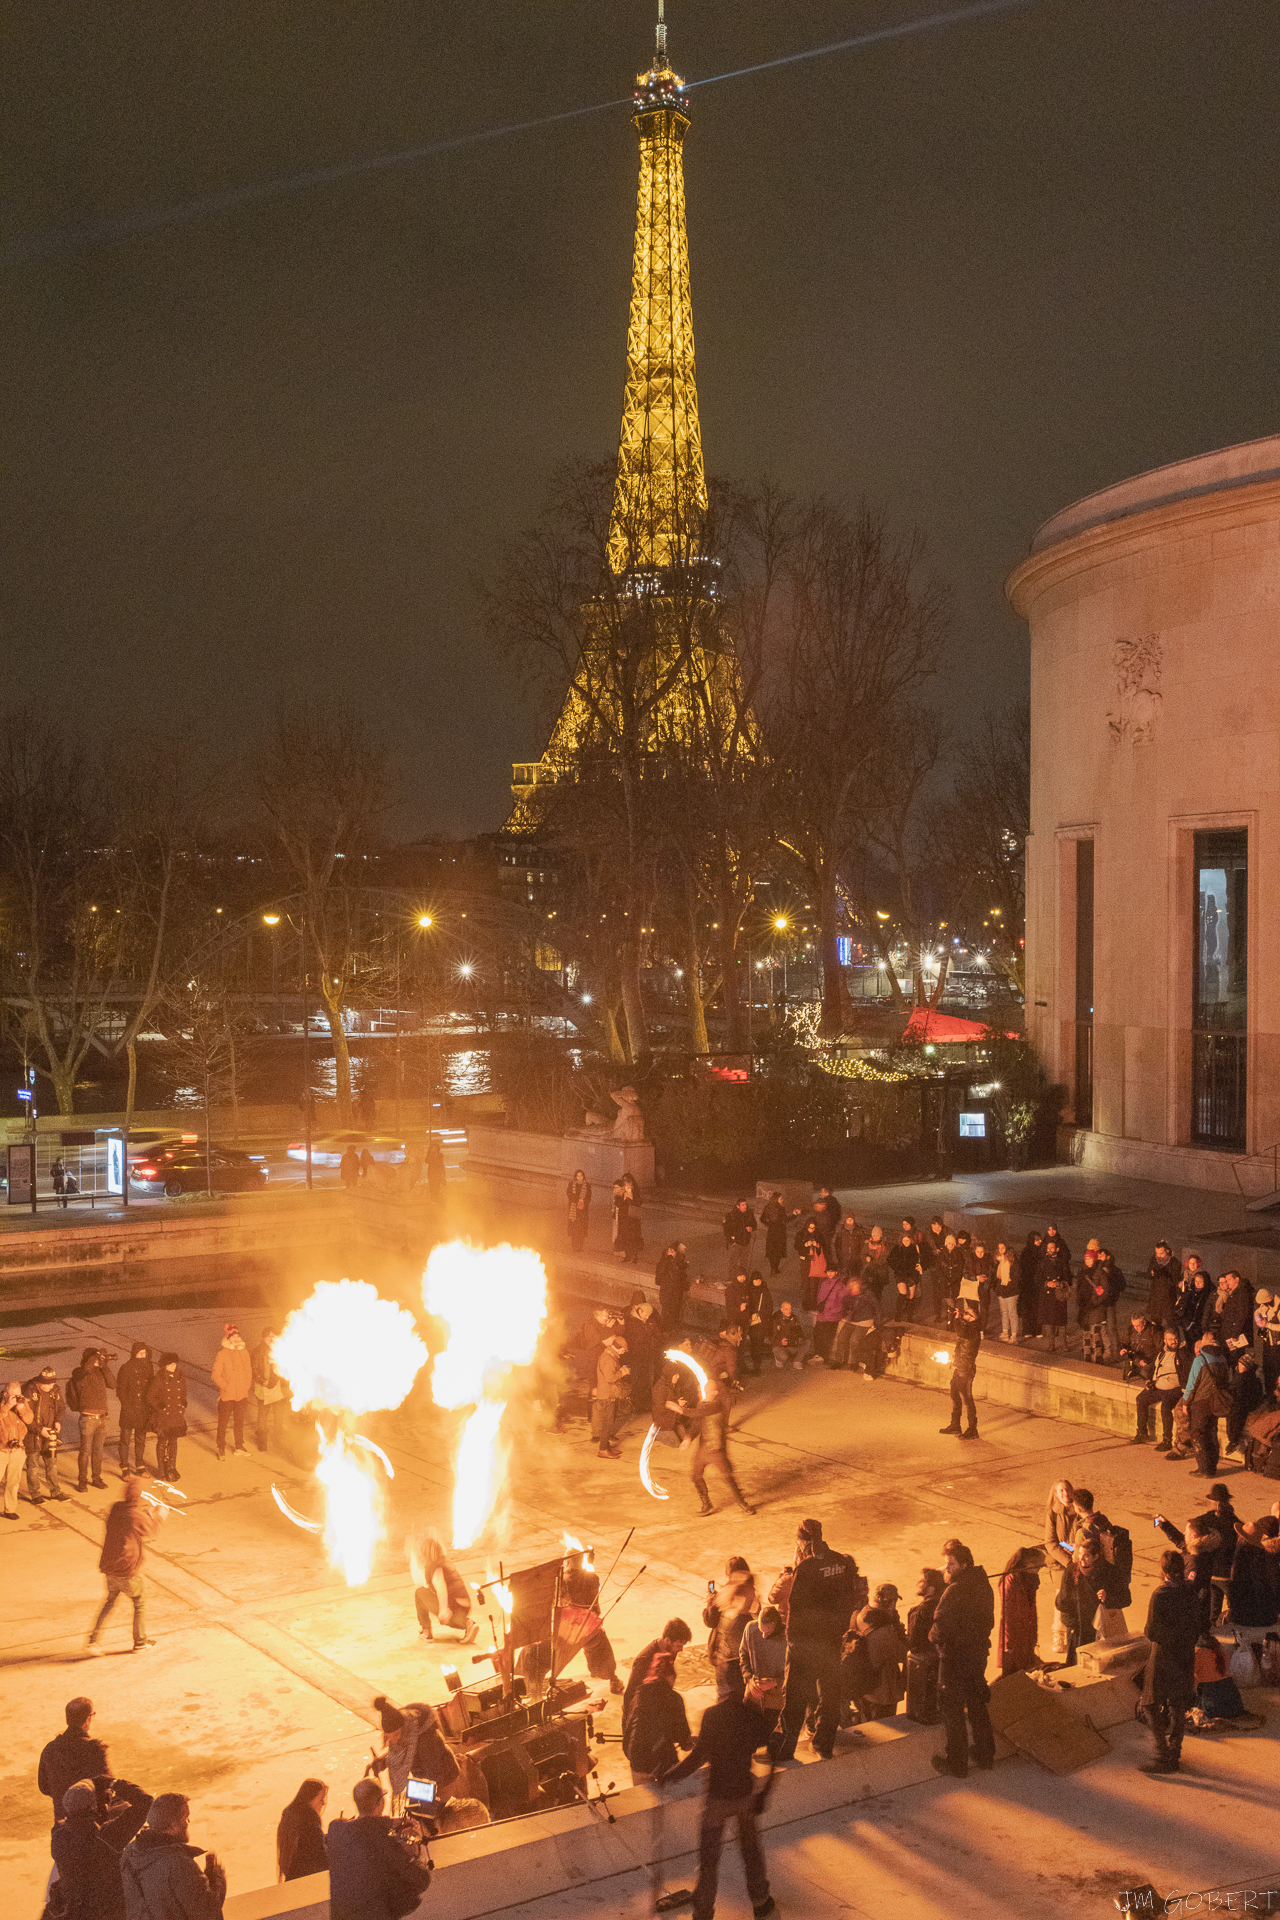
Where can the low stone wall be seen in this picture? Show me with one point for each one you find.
(492, 1868)
(497, 1150)
(1009, 1376)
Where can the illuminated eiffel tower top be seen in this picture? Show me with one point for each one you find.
(661, 485)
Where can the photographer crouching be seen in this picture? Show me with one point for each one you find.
(379, 1869)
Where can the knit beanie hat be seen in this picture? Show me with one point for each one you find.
(392, 1718)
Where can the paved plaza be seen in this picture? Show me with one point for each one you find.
(266, 1662)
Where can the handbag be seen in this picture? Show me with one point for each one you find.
(1243, 1665)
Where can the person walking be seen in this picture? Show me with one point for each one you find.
(159, 1871)
(300, 1835)
(437, 1172)
(825, 1592)
(130, 1525)
(728, 1737)
(349, 1168)
(270, 1389)
(1169, 1681)
(607, 1394)
(133, 1384)
(961, 1632)
(44, 1435)
(964, 1367)
(232, 1375)
(922, 1655)
(167, 1407)
(712, 1449)
(87, 1397)
(578, 1204)
(16, 1417)
(774, 1218)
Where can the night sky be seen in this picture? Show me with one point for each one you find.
(973, 273)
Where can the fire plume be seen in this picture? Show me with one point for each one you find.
(494, 1302)
(349, 1350)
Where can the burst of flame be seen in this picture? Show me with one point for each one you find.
(494, 1301)
(942, 1356)
(348, 1349)
(570, 1544)
(353, 1509)
(504, 1597)
(682, 1359)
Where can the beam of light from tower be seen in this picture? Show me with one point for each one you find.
(147, 220)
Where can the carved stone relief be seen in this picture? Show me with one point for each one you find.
(1137, 700)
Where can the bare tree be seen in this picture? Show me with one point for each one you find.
(324, 789)
(63, 939)
(859, 642)
(979, 834)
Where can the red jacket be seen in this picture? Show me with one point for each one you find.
(129, 1527)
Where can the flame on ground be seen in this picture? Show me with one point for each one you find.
(494, 1302)
(348, 1349)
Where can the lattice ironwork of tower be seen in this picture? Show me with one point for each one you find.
(659, 581)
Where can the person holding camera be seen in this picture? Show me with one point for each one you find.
(379, 1869)
(44, 1396)
(159, 1872)
(16, 1417)
(86, 1846)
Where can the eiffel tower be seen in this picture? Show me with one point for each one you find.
(659, 579)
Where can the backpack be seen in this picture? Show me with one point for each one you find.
(1122, 1556)
(72, 1394)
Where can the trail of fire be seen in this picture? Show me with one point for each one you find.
(494, 1302)
(350, 1351)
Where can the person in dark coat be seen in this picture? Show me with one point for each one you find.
(1092, 1296)
(739, 1231)
(71, 1755)
(961, 1631)
(825, 1592)
(949, 1273)
(737, 1300)
(1192, 1300)
(644, 1351)
(788, 1337)
(159, 1871)
(774, 1218)
(658, 1723)
(827, 1213)
(87, 1394)
(728, 1737)
(908, 1278)
(847, 1247)
(672, 1278)
(759, 1324)
(673, 1640)
(349, 1169)
(1169, 1683)
(1164, 1271)
(1058, 1288)
(629, 1231)
(712, 1450)
(44, 1435)
(300, 1834)
(89, 1885)
(1230, 1314)
(133, 1383)
(1246, 1397)
(167, 1413)
(922, 1655)
(964, 1367)
(578, 1207)
(727, 1612)
(1016, 1647)
(1253, 1588)
(373, 1875)
(1031, 1285)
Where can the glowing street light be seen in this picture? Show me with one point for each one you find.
(424, 920)
(271, 919)
(466, 970)
(780, 922)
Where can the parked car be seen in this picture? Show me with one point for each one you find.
(185, 1169)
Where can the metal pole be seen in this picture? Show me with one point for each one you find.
(306, 1063)
(399, 1062)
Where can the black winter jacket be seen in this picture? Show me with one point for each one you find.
(963, 1623)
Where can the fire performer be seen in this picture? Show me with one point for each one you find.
(712, 1449)
(441, 1593)
(416, 1745)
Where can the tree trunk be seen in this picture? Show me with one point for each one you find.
(613, 1039)
(632, 1002)
(735, 1019)
(341, 1055)
(695, 1005)
(944, 967)
(64, 1085)
(837, 1012)
(234, 1082)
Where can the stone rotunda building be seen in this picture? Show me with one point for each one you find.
(1153, 866)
